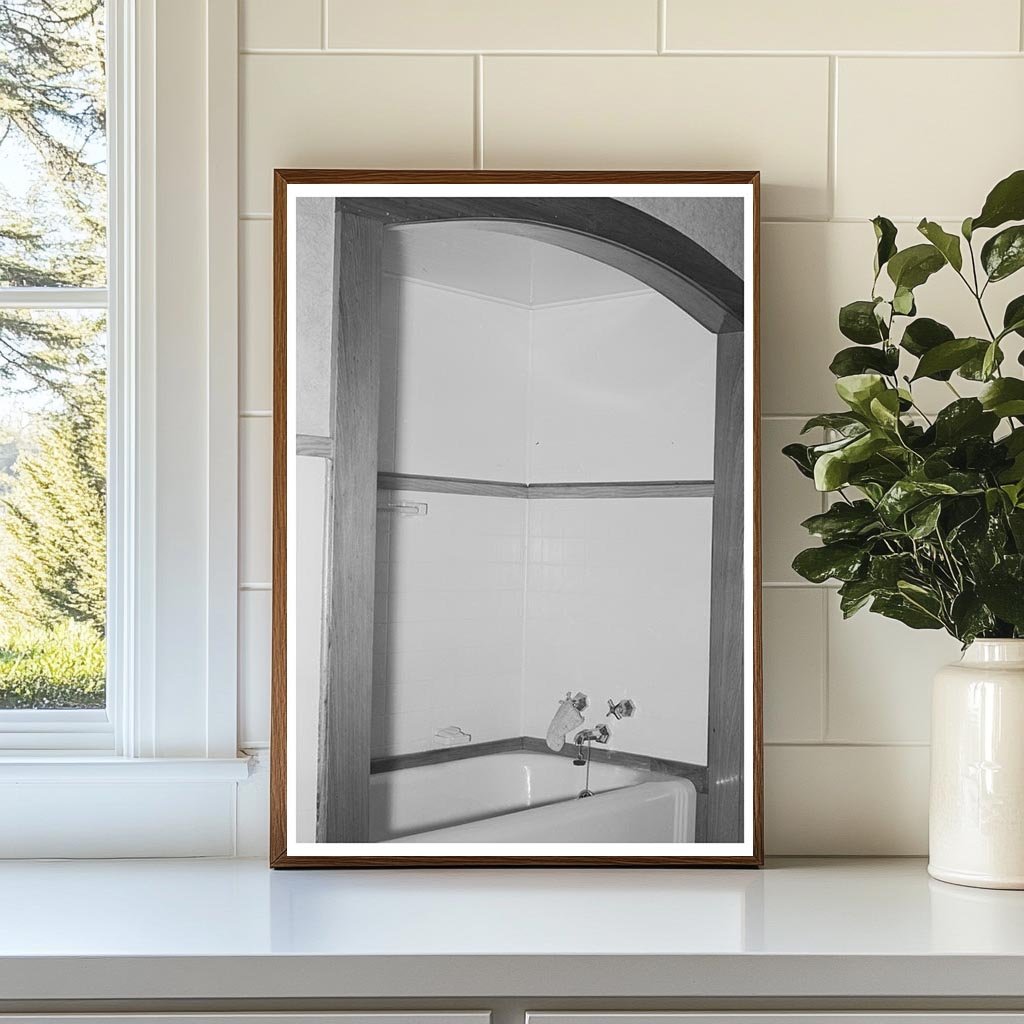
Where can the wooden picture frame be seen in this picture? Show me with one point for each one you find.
(578, 212)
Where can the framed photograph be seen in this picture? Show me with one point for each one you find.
(516, 581)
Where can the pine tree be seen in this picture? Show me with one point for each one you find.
(52, 234)
(53, 123)
(53, 544)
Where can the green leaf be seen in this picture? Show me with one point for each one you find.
(965, 229)
(1005, 202)
(947, 244)
(903, 302)
(885, 409)
(799, 455)
(1004, 397)
(857, 321)
(912, 267)
(1014, 441)
(964, 418)
(906, 494)
(887, 570)
(899, 608)
(855, 594)
(844, 422)
(842, 521)
(970, 616)
(831, 471)
(858, 389)
(885, 237)
(949, 356)
(817, 450)
(925, 518)
(864, 446)
(1006, 599)
(963, 482)
(1016, 520)
(1013, 317)
(842, 561)
(1003, 254)
(923, 335)
(849, 361)
(991, 360)
(974, 368)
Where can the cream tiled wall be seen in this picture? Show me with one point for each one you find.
(800, 90)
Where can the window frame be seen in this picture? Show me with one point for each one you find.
(171, 517)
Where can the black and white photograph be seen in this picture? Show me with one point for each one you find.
(515, 519)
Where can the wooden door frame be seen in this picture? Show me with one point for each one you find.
(627, 239)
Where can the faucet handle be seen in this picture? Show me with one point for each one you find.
(602, 734)
(622, 709)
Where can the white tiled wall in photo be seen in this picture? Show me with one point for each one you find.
(461, 369)
(617, 605)
(620, 389)
(559, 369)
(795, 89)
(449, 619)
(311, 502)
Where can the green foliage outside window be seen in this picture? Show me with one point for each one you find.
(52, 364)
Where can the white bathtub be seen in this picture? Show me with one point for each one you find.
(525, 797)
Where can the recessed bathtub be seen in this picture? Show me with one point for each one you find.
(524, 797)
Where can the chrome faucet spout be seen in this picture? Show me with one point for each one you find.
(599, 734)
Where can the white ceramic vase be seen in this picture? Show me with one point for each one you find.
(976, 815)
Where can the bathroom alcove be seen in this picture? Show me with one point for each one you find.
(509, 367)
(508, 361)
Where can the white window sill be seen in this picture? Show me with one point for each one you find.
(77, 766)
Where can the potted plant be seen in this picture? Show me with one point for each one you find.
(926, 521)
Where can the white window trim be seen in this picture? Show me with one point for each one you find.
(172, 510)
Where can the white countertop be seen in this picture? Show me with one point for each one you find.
(234, 929)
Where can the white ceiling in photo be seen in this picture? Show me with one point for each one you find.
(490, 262)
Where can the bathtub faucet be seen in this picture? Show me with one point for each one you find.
(599, 734)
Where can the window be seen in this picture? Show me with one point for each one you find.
(118, 294)
(53, 365)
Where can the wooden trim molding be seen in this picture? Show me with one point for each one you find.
(343, 804)
(696, 773)
(623, 489)
(314, 446)
(726, 742)
(603, 229)
(450, 485)
(536, 492)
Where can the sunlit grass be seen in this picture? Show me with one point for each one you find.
(62, 667)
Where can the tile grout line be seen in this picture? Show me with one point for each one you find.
(851, 744)
(478, 111)
(768, 55)
(826, 649)
(823, 715)
(323, 24)
(799, 585)
(662, 27)
(1020, 24)
(832, 147)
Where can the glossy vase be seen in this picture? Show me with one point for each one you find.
(976, 815)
